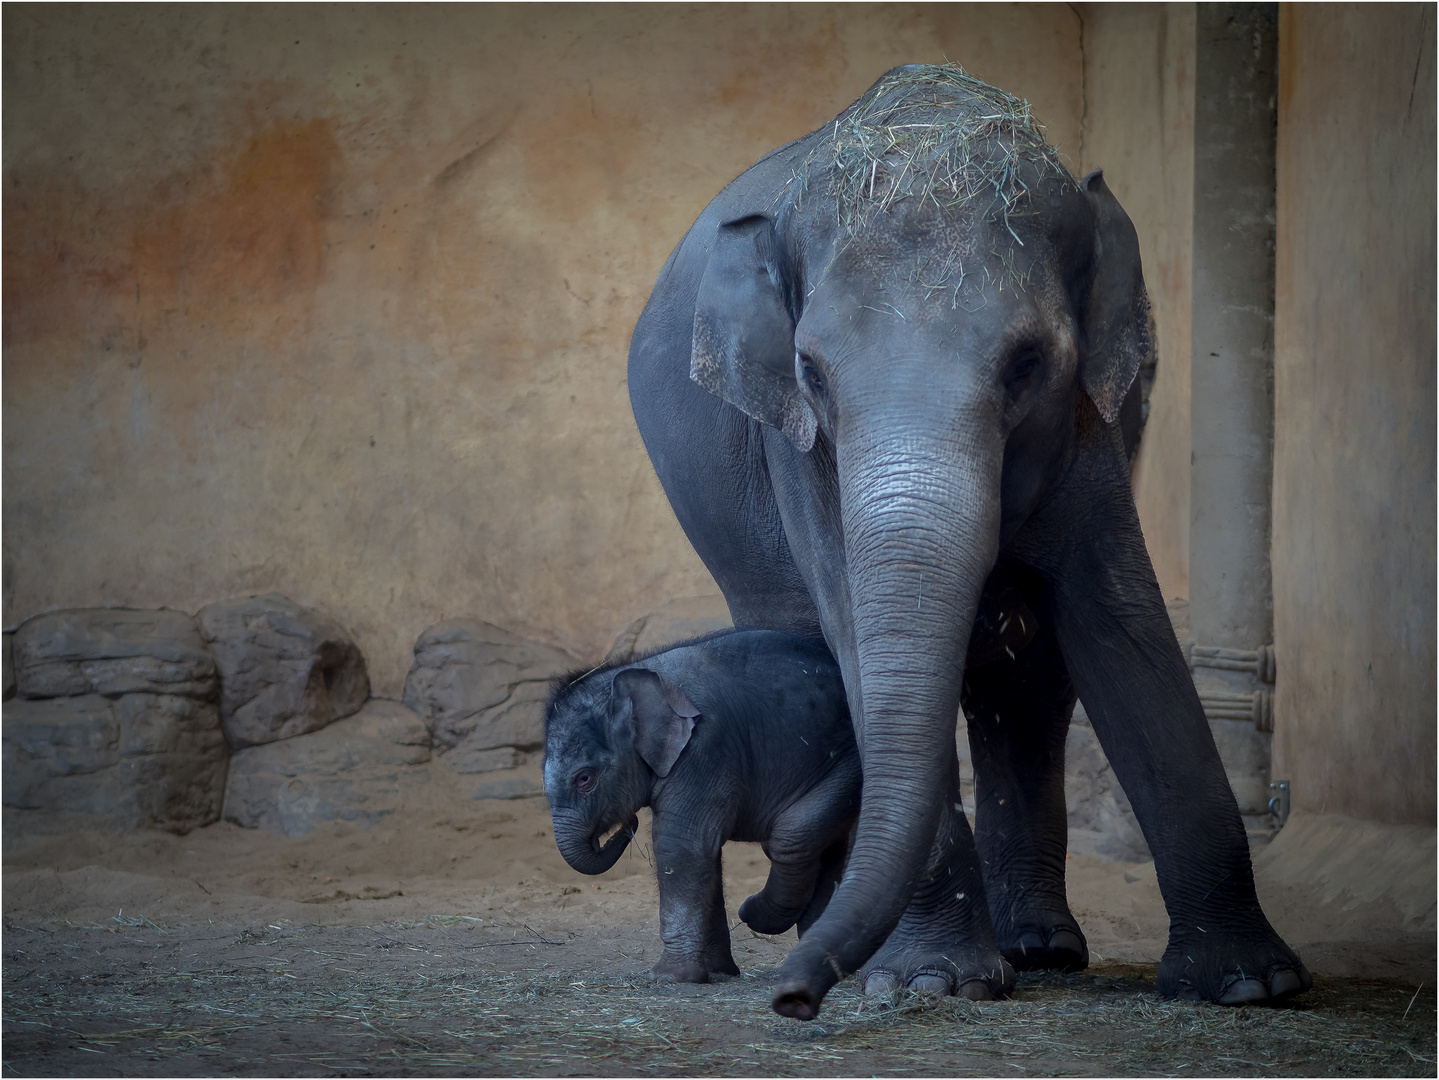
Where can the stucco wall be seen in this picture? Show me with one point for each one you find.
(335, 300)
(1354, 439)
(1139, 128)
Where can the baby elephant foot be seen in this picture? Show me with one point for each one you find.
(1232, 972)
(763, 917)
(1054, 948)
(969, 972)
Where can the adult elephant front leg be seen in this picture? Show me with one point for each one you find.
(1121, 651)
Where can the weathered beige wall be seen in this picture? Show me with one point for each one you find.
(1139, 128)
(1354, 440)
(335, 300)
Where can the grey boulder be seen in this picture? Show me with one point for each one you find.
(518, 783)
(138, 761)
(112, 651)
(482, 689)
(356, 770)
(284, 670)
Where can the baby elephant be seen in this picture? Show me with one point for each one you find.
(741, 735)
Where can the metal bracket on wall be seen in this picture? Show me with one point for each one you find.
(1258, 662)
(1257, 706)
(1279, 803)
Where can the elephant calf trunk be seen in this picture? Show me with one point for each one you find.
(583, 851)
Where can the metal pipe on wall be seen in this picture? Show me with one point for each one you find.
(1231, 608)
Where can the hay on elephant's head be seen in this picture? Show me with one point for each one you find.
(933, 132)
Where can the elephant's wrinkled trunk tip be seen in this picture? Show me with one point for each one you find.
(797, 1000)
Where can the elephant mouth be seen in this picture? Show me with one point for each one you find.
(615, 838)
(604, 836)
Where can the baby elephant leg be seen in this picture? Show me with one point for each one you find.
(692, 918)
(831, 869)
(800, 850)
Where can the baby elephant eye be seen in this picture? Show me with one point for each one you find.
(584, 782)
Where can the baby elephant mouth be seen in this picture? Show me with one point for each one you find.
(593, 852)
(609, 843)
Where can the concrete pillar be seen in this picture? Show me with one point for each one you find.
(1232, 386)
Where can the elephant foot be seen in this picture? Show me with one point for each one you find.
(1232, 971)
(966, 971)
(1054, 948)
(710, 969)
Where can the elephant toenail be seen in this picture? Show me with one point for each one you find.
(1285, 982)
(976, 990)
(1242, 991)
(1028, 952)
(1068, 951)
(930, 984)
(880, 984)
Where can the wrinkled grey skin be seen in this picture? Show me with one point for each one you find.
(899, 430)
(742, 735)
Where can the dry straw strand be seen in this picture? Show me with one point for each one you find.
(933, 132)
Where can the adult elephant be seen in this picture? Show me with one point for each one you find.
(880, 380)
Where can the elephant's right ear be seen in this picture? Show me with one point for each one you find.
(1115, 322)
(661, 717)
(743, 348)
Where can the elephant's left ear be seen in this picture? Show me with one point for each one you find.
(662, 717)
(1115, 320)
(743, 346)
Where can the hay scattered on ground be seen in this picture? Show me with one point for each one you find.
(454, 994)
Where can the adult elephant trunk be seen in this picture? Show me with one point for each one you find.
(579, 843)
(921, 533)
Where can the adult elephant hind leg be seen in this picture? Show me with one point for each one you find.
(945, 941)
(1018, 709)
(1121, 652)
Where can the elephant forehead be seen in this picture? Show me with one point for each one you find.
(938, 259)
(956, 310)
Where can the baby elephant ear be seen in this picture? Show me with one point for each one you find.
(661, 716)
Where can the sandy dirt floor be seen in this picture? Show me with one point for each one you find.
(452, 939)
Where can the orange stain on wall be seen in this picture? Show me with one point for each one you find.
(240, 235)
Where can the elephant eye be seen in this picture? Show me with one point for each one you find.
(584, 781)
(1021, 368)
(808, 374)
